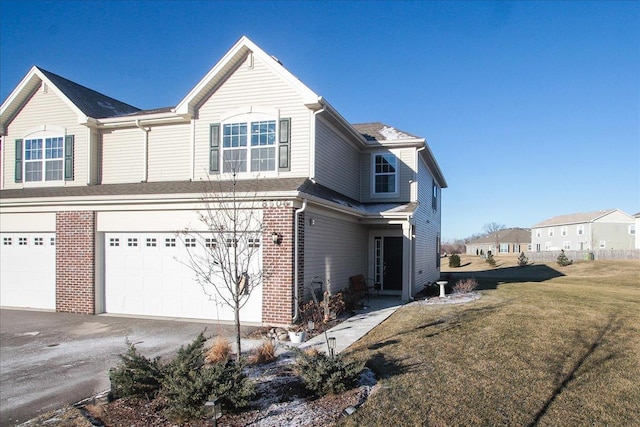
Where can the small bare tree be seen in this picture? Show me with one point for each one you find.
(492, 227)
(223, 249)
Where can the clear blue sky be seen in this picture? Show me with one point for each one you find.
(532, 109)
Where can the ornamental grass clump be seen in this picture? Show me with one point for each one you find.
(322, 374)
(265, 353)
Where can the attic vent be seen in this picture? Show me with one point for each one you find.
(249, 62)
(45, 88)
(277, 60)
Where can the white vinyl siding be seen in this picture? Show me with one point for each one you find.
(45, 111)
(426, 232)
(337, 161)
(335, 248)
(169, 153)
(254, 89)
(123, 156)
(405, 165)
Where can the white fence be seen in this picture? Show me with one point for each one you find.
(599, 254)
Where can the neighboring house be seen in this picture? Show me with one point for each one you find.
(636, 229)
(608, 229)
(502, 242)
(94, 190)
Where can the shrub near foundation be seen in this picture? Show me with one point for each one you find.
(323, 374)
(137, 375)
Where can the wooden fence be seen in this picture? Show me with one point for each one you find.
(599, 254)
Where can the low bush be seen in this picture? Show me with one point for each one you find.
(491, 260)
(464, 286)
(137, 375)
(454, 260)
(322, 374)
(562, 259)
(523, 261)
(189, 383)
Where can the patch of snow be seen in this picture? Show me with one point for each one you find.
(392, 134)
(450, 299)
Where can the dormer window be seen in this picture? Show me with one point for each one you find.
(250, 146)
(385, 173)
(42, 157)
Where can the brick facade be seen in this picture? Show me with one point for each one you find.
(75, 261)
(278, 265)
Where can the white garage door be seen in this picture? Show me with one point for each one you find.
(28, 270)
(145, 274)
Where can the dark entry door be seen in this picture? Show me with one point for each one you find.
(392, 267)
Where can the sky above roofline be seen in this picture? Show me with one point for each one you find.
(530, 108)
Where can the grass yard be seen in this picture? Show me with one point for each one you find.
(544, 345)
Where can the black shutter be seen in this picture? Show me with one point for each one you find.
(284, 145)
(18, 171)
(214, 148)
(68, 157)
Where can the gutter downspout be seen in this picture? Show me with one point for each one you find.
(312, 146)
(296, 293)
(145, 154)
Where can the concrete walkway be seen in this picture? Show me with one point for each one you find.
(376, 311)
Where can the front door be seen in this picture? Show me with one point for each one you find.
(392, 264)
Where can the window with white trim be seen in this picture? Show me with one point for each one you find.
(551, 232)
(566, 245)
(7, 241)
(249, 143)
(43, 159)
(538, 233)
(603, 244)
(632, 229)
(385, 173)
(580, 229)
(504, 248)
(563, 231)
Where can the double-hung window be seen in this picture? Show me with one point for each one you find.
(385, 173)
(43, 159)
(249, 143)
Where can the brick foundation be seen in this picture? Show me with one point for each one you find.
(75, 262)
(278, 265)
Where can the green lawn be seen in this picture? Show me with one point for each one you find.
(544, 345)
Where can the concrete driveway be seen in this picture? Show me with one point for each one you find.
(49, 360)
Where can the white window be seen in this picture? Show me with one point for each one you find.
(385, 173)
(632, 229)
(38, 241)
(547, 246)
(7, 241)
(170, 242)
(252, 143)
(580, 229)
(22, 241)
(551, 232)
(190, 242)
(151, 242)
(133, 241)
(210, 243)
(44, 159)
(602, 244)
(538, 233)
(566, 245)
(563, 231)
(504, 248)
(114, 241)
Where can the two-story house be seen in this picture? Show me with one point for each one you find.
(95, 190)
(585, 231)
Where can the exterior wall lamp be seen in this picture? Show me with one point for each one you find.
(276, 238)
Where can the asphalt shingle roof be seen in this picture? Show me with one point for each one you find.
(92, 103)
(508, 235)
(575, 218)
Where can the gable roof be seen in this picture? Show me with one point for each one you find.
(575, 218)
(507, 235)
(85, 102)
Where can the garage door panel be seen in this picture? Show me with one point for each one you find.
(158, 282)
(28, 273)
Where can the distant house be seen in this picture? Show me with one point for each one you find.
(502, 242)
(93, 191)
(636, 228)
(608, 229)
